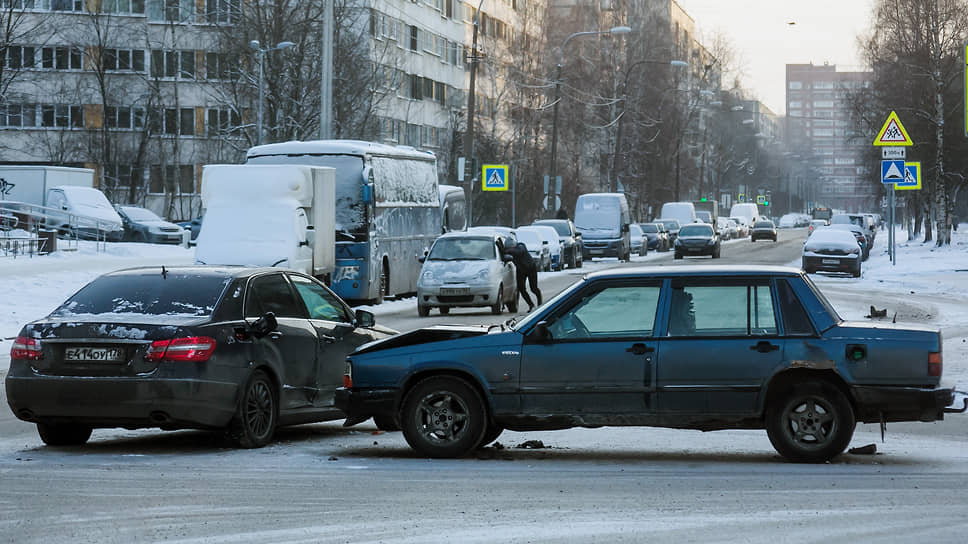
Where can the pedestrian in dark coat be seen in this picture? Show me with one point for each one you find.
(526, 271)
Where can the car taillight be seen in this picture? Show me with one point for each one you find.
(190, 348)
(26, 348)
(934, 363)
(348, 375)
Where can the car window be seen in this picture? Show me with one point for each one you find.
(627, 311)
(461, 249)
(721, 310)
(795, 320)
(320, 303)
(172, 293)
(271, 293)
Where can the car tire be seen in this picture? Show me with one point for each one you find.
(490, 435)
(856, 273)
(677, 255)
(63, 434)
(444, 310)
(257, 413)
(810, 423)
(423, 311)
(716, 253)
(496, 307)
(443, 417)
(386, 423)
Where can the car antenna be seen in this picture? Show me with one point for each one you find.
(164, 273)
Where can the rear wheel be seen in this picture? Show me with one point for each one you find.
(678, 255)
(63, 434)
(497, 306)
(490, 435)
(443, 416)
(423, 311)
(810, 423)
(257, 413)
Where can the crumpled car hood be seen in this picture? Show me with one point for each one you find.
(437, 333)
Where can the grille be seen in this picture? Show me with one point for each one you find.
(456, 298)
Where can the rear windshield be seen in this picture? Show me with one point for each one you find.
(176, 294)
(649, 228)
(560, 227)
(763, 225)
(696, 230)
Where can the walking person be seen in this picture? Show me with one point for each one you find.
(526, 270)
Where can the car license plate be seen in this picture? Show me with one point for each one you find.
(596, 251)
(454, 290)
(830, 261)
(94, 354)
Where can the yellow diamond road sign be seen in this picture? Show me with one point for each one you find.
(893, 133)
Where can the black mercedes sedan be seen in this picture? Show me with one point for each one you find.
(697, 239)
(244, 350)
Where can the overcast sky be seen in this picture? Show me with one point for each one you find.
(825, 31)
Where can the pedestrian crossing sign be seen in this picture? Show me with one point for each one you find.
(495, 177)
(893, 133)
(912, 177)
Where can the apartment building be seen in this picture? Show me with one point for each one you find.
(819, 127)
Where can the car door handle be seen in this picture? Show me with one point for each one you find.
(764, 347)
(328, 339)
(639, 349)
(275, 335)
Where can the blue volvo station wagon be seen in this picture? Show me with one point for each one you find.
(705, 348)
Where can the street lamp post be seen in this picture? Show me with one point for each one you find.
(621, 120)
(554, 121)
(260, 56)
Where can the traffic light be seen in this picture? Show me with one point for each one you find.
(703, 199)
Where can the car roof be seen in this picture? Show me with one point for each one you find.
(693, 271)
(197, 270)
(480, 235)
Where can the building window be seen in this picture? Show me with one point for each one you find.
(19, 57)
(223, 121)
(224, 11)
(175, 64)
(176, 11)
(796, 85)
(123, 175)
(124, 117)
(19, 115)
(61, 116)
(62, 5)
(123, 60)
(61, 58)
(414, 37)
(123, 7)
(174, 179)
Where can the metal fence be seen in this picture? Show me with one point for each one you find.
(31, 218)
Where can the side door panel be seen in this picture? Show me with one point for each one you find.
(291, 348)
(721, 345)
(599, 359)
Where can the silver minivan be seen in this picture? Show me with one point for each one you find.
(603, 221)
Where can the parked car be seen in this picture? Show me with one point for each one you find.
(815, 224)
(244, 350)
(832, 250)
(507, 234)
(859, 235)
(83, 212)
(466, 269)
(792, 366)
(143, 225)
(640, 244)
(657, 235)
(763, 230)
(570, 238)
(549, 235)
(195, 226)
(789, 220)
(726, 230)
(537, 247)
(742, 227)
(697, 239)
(863, 221)
(671, 226)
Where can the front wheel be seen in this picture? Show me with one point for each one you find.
(443, 416)
(423, 311)
(810, 423)
(63, 434)
(257, 413)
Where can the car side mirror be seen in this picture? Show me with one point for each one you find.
(264, 325)
(507, 258)
(544, 242)
(540, 333)
(364, 318)
(421, 259)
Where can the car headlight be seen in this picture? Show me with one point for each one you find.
(482, 276)
(855, 251)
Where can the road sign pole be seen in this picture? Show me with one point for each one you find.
(514, 190)
(893, 238)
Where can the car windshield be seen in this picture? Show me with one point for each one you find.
(649, 229)
(154, 293)
(695, 230)
(463, 249)
(139, 214)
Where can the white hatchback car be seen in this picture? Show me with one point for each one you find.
(537, 247)
(466, 269)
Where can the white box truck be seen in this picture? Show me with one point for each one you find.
(62, 198)
(29, 184)
(271, 215)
